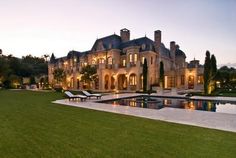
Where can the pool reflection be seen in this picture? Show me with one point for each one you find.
(158, 103)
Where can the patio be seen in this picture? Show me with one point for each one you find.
(220, 121)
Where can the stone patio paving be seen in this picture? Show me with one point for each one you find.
(221, 121)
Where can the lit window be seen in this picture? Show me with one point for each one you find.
(143, 58)
(123, 62)
(101, 61)
(130, 58)
(132, 80)
(110, 60)
(93, 62)
(135, 58)
(200, 79)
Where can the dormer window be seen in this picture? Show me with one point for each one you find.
(143, 46)
(110, 45)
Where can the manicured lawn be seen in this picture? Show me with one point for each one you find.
(31, 126)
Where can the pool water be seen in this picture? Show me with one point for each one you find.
(159, 103)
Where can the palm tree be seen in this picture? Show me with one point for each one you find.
(46, 56)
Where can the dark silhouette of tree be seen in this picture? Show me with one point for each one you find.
(59, 75)
(210, 72)
(145, 75)
(52, 59)
(207, 69)
(89, 74)
(161, 74)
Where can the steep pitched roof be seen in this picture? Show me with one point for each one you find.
(145, 43)
(164, 51)
(179, 53)
(108, 42)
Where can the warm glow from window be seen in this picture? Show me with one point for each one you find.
(143, 60)
(110, 60)
(101, 61)
(93, 62)
(132, 80)
(135, 58)
(200, 79)
(130, 58)
(123, 62)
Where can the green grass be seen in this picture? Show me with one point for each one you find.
(31, 126)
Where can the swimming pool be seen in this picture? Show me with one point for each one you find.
(152, 102)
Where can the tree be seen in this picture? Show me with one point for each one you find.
(89, 74)
(210, 72)
(52, 58)
(162, 75)
(46, 56)
(213, 73)
(145, 75)
(207, 68)
(59, 75)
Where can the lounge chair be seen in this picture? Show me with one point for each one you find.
(72, 96)
(89, 95)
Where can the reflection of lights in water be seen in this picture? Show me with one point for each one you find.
(115, 103)
(167, 102)
(132, 103)
(190, 105)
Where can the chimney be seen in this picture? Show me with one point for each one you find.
(172, 49)
(157, 39)
(172, 46)
(125, 35)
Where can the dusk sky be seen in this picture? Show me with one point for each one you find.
(40, 27)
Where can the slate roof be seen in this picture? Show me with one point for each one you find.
(179, 52)
(112, 40)
(164, 51)
(149, 44)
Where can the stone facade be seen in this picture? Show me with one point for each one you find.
(119, 63)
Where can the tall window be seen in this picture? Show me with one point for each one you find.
(130, 58)
(151, 60)
(143, 60)
(200, 79)
(135, 58)
(110, 60)
(123, 62)
(132, 80)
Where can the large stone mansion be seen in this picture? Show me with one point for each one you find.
(119, 62)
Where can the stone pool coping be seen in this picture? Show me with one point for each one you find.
(220, 121)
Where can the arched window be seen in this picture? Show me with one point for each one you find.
(106, 81)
